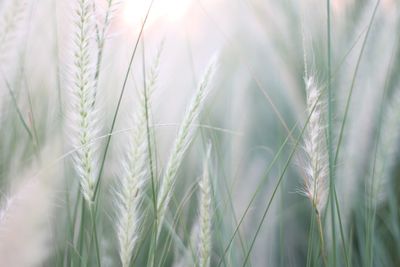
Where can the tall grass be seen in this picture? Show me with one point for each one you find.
(135, 176)
(83, 111)
(182, 142)
(118, 151)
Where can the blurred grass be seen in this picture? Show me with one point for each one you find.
(255, 120)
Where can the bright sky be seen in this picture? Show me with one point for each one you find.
(170, 11)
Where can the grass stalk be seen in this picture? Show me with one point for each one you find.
(321, 236)
(330, 133)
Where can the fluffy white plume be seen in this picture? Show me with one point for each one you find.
(82, 111)
(316, 148)
(182, 141)
(135, 172)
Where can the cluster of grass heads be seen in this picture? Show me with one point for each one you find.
(286, 154)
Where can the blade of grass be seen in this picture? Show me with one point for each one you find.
(57, 60)
(353, 81)
(347, 106)
(272, 197)
(277, 184)
(372, 204)
(269, 168)
(31, 117)
(14, 101)
(227, 188)
(310, 245)
(103, 160)
(176, 220)
(330, 132)
(120, 100)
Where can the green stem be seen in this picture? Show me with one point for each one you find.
(321, 236)
(330, 133)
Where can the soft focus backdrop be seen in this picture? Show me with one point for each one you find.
(252, 122)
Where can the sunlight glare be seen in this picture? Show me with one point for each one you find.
(171, 11)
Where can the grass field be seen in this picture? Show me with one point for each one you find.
(199, 133)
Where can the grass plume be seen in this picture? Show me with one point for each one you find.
(182, 142)
(130, 188)
(83, 113)
(316, 149)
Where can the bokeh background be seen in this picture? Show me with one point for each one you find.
(258, 100)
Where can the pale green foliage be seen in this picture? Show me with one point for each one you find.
(84, 93)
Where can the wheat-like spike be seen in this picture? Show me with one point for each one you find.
(316, 148)
(182, 141)
(130, 187)
(83, 110)
(205, 215)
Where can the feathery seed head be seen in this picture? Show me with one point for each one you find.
(316, 147)
(183, 140)
(83, 117)
(130, 187)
